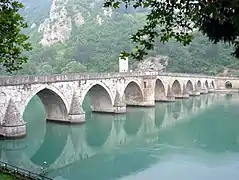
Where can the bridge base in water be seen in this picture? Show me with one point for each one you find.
(211, 90)
(166, 99)
(204, 91)
(183, 96)
(120, 109)
(14, 131)
(76, 118)
(195, 93)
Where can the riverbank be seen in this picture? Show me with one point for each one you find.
(10, 172)
(4, 176)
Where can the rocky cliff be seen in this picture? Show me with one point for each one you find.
(157, 63)
(63, 15)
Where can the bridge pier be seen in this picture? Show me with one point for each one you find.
(13, 126)
(204, 91)
(211, 90)
(185, 94)
(76, 114)
(149, 92)
(119, 105)
(195, 93)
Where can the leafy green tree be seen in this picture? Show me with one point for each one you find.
(12, 42)
(74, 67)
(167, 19)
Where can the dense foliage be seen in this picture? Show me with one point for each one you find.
(95, 48)
(167, 19)
(12, 42)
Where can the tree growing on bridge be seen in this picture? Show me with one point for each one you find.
(12, 42)
(177, 19)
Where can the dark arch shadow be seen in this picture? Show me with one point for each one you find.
(176, 88)
(134, 118)
(97, 99)
(133, 94)
(55, 107)
(228, 85)
(199, 85)
(189, 86)
(159, 90)
(212, 83)
(206, 84)
(53, 145)
(98, 129)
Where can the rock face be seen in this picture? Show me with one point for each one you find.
(58, 26)
(158, 63)
(63, 14)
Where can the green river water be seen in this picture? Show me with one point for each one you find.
(190, 139)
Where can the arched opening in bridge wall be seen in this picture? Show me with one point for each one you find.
(199, 85)
(54, 105)
(35, 116)
(159, 90)
(133, 94)
(189, 86)
(206, 85)
(176, 89)
(213, 86)
(228, 85)
(98, 99)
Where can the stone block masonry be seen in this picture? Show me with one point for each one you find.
(63, 95)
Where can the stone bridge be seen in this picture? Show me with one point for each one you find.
(74, 144)
(63, 95)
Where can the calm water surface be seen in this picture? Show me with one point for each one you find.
(191, 139)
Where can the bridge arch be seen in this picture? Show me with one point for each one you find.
(55, 103)
(101, 97)
(228, 85)
(212, 84)
(199, 85)
(176, 88)
(189, 86)
(206, 84)
(133, 93)
(160, 91)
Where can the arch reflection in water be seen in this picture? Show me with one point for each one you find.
(124, 143)
(160, 110)
(52, 146)
(209, 131)
(98, 129)
(122, 136)
(134, 117)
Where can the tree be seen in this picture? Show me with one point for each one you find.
(12, 42)
(74, 67)
(178, 19)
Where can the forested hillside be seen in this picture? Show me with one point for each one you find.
(81, 36)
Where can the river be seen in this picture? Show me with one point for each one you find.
(196, 138)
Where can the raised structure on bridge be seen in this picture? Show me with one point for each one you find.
(63, 95)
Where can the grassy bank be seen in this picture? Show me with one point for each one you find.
(4, 176)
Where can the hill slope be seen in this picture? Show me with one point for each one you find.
(80, 35)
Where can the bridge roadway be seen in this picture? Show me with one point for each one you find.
(63, 95)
